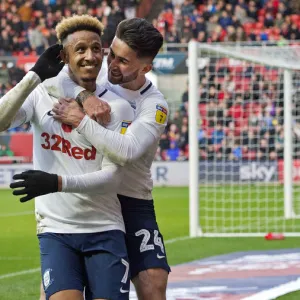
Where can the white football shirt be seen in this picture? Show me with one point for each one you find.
(138, 146)
(59, 149)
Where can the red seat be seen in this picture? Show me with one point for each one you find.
(261, 19)
(295, 18)
(261, 12)
(259, 25)
(248, 27)
(202, 109)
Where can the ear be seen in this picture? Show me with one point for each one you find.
(64, 56)
(147, 68)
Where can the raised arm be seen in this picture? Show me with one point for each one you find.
(48, 65)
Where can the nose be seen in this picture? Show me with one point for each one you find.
(114, 65)
(89, 55)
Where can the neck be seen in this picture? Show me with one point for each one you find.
(88, 85)
(134, 85)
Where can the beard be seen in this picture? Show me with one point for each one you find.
(88, 79)
(121, 79)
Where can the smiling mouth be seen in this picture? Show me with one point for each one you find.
(115, 74)
(89, 67)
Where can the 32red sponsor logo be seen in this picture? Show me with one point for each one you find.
(55, 142)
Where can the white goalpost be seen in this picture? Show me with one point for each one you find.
(244, 139)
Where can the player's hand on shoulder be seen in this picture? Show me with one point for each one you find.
(34, 183)
(94, 107)
(49, 63)
(68, 111)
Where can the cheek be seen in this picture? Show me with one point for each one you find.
(75, 60)
(126, 70)
(99, 58)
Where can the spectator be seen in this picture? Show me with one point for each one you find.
(236, 153)
(187, 8)
(202, 138)
(177, 119)
(4, 74)
(37, 41)
(17, 25)
(269, 20)
(182, 156)
(218, 135)
(6, 43)
(51, 37)
(183, 138)
(16, 74)
(225, 19)
(263, 151)
(252, 11)
(5, 151)
(173, 152)
(164, 143)
(26, 12)
(199, 26)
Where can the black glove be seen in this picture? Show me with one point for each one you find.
(35, 183)
(49, 63)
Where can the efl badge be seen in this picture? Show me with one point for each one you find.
(161, 114)
(124, 126)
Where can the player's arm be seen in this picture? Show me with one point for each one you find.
(34, 183)
(142, 133)
(37, 183)
(69, 89)
(110, 176)
(104, 181)
(48, 65)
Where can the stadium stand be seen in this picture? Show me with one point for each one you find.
(234, 126)
(27, 28)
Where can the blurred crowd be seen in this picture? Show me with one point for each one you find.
(28, 26)
(241, 110)
(241, 115)
(229, 21)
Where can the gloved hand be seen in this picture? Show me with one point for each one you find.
(35, 183)
(49, 63)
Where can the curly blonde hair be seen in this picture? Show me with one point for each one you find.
(77, 23)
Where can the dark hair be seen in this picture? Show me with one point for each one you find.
(77, 23)
(141, 36)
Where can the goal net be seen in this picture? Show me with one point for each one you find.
(244, 133)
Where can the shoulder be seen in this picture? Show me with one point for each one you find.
(153, 108)
(51, 87)
(153, 101)
(121, 111)
(153, 97)
(115, 101)
(121, 107)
